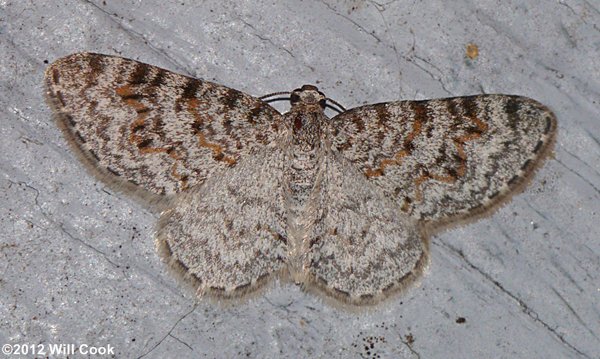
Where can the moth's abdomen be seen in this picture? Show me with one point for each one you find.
(302, 175)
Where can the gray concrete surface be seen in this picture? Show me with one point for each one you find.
(77, 260)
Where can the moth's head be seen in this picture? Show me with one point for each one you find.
(308, 96)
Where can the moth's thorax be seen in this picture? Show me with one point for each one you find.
(306, 118)
(306, 129)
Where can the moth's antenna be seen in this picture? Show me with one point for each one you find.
(276, 94)
(340, 107)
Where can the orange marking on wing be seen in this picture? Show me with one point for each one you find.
(460, 148)
(147, 150)
(459, 142)
(418, 182)
(447, 179)
(182, 178)
(175, 156)
(217, 150)
(397, 158)
(140, 121)
(126, 91)
(193, 105)
(417, 126)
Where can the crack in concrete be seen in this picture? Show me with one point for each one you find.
(434, 77)
(134, 34)
(582, 161)
(380, 9)
(566, 274)
(505, 234)
(334, 10)
(181, 341)
(35, 199)
(542, 215)
(556, 72)
(169, 333)
(567, 34)
(60, 226)
(522, 304)
(381, 6)
(596, 10)
(572, 310)
(562, 3)
(499, 28)
(504, 30)
(581, 177)
(285, 307)
(26, 140)
(594, 138)
(255, 33)
(409, 346)
(62, 229)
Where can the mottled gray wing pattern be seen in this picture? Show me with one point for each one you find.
(448, 159)
(361, 250)
(137, 125)
(228, 236)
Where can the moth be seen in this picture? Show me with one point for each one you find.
(343, 206)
